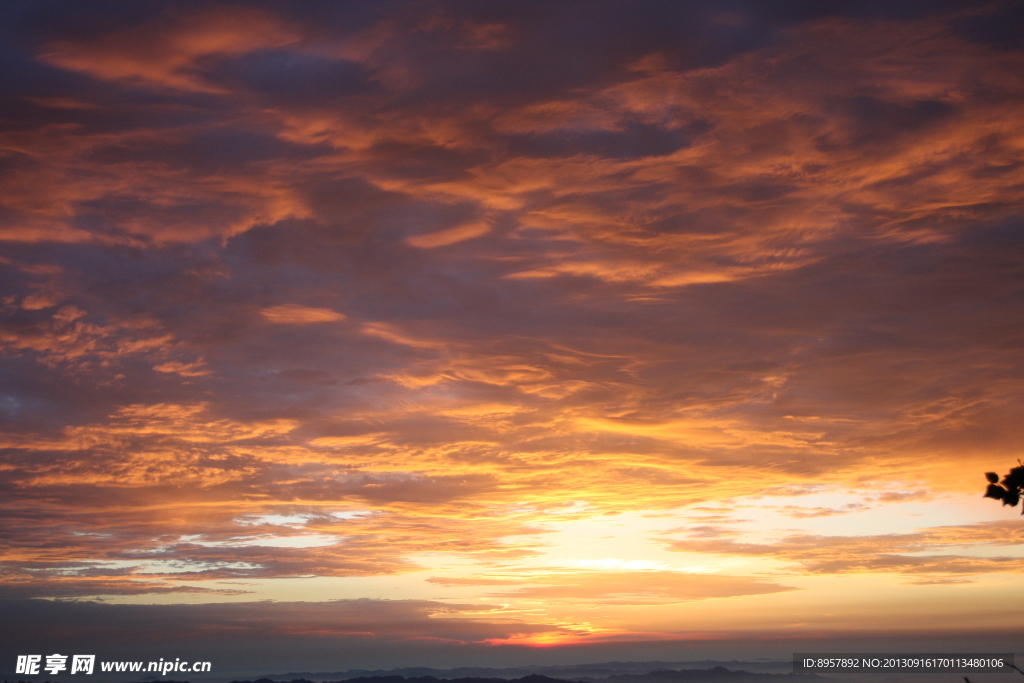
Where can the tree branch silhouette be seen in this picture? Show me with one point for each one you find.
(1010, 489)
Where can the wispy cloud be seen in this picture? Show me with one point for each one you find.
(336, 293)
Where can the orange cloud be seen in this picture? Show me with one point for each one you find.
(639, 588)
(782, 269)
(898, 553)
(294, 314)
(450, 235)
(164, 52)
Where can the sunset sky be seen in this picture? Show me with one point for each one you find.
(448, 332)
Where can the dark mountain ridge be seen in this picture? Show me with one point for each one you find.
(717, 674)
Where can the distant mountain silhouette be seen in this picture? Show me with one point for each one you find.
(532, 678)
(718, 674)
(565, 672)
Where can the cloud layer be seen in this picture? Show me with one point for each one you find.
(367, 291)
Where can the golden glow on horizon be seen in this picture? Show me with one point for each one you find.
(476, 357)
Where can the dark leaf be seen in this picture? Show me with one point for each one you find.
(1015, 479)
(996, 491)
